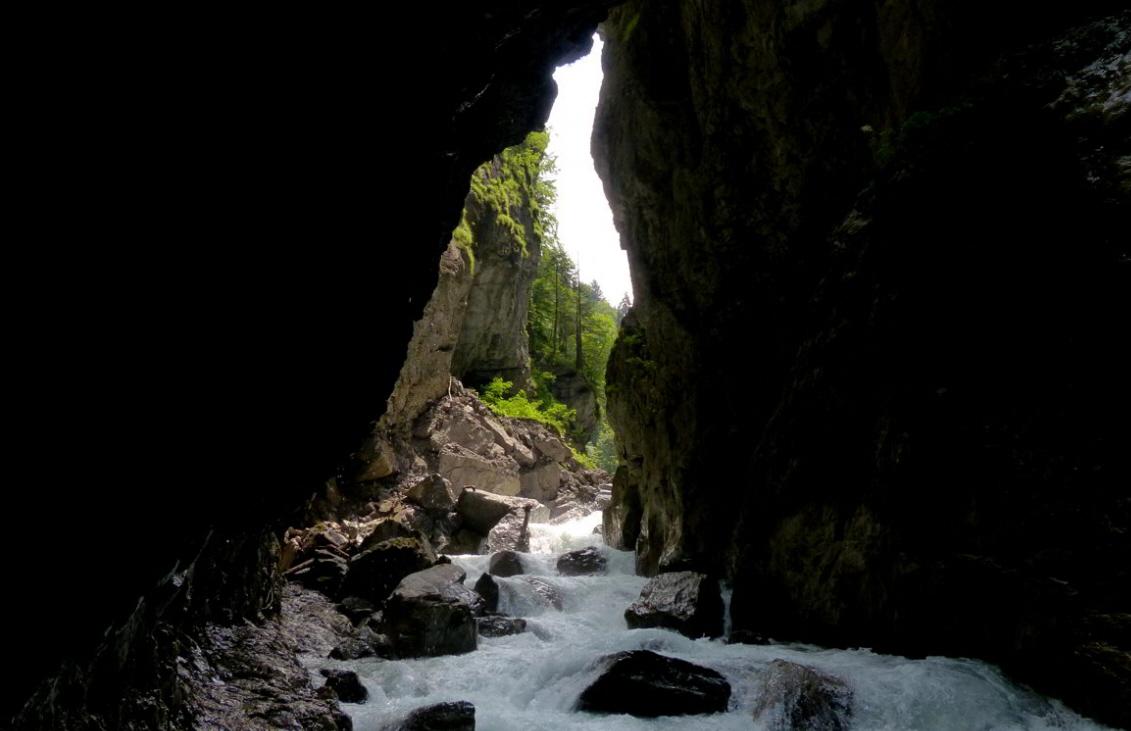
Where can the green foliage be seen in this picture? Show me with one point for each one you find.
(505, 400)
(513, 185)
(602, 451)
(583, 458)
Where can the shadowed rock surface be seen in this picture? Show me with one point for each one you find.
(642, 683)
(912, 225)
(683, 601)
(432, 613)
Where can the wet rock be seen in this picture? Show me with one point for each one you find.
(346, 685)
(374, 573)
(252, 679)
(457, 716)
(434, 494)
(584, 562)
(488, 589)
(498, 626)
(311, 622)
(432, 613)
(363, 642)
(357, 608)
(642, 683)
(684, 601)
(799, 698)
(505, 563)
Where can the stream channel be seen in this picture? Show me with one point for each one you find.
(533, 680)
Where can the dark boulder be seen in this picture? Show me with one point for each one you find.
(457, 716)
(498, 626)
(488, 589)
(684, 601)
(505, 563)
(432, 613)
(374, 573)
(642, 683)
(584, 562)
(799, 698)
(346, 685)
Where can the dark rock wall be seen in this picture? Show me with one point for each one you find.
(211, 294)
(872, 368)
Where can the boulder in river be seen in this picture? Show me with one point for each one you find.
(799, 698)
(432, 613)
(457, 716)
(498, 626)
(487, 588)
(346, 685)
(481, 511)
(505, 563)
(643, 683)
(584, 562)
(684, 601)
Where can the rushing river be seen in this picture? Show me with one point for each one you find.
(533, 680)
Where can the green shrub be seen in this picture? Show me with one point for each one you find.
(519, 406)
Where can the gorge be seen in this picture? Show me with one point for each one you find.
(874, 375)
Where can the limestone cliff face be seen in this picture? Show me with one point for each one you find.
(474, 325)
(870, 368)
(493, 340)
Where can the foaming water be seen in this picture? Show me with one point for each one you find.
(533, 680)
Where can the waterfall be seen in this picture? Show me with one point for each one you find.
(533, 680)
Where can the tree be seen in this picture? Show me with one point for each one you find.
(623, 308)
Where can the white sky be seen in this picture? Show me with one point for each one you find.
(585, 223)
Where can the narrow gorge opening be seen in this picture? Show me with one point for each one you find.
(865, 396)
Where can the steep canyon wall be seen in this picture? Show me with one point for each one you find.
(872, 368)
(215, 296)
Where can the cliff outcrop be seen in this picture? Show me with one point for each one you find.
(871, 367)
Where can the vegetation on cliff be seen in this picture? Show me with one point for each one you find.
(570, 326)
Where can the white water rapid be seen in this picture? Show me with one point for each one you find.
(532, 681)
